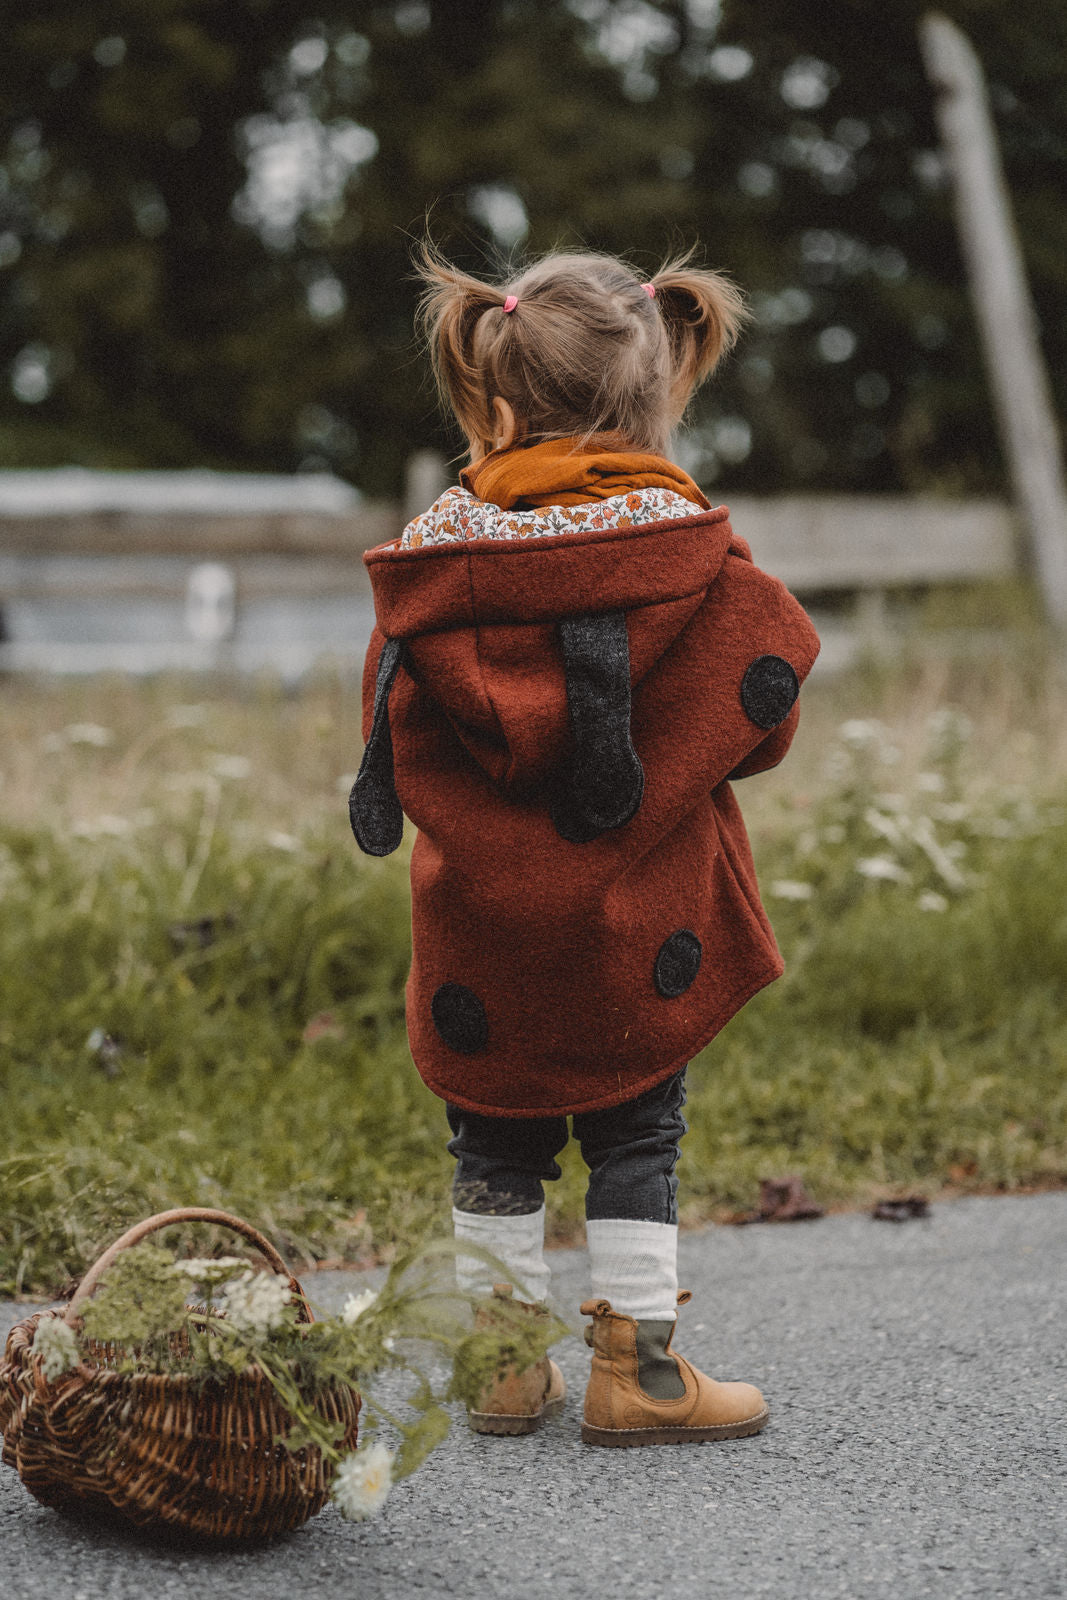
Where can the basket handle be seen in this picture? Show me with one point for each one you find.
(165, 1219)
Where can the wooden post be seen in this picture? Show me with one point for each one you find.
(426, 477)
(1002, 303)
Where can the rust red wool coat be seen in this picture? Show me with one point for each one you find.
(560, 716)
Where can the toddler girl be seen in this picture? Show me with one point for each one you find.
(574, 657)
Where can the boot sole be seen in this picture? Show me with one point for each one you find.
(630, 1438)
(503, 1423)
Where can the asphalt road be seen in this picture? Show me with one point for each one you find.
(917, 1377)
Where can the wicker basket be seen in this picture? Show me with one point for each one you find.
(169, 1452)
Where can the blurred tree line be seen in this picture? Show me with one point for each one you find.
(207, 208)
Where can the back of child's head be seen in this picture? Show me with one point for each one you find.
(576, 344)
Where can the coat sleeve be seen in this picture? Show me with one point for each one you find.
(771, 750)
(735, 676)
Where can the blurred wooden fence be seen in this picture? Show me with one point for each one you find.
(214, 551)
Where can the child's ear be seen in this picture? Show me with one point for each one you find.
(505, 424)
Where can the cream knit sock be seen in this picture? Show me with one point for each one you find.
(519, 1242)
(635, 1266)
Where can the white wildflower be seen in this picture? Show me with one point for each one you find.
(930, 900)
(791, 889)
(187, 716)
(858, 733)
(283, 841)
(892, 802)
(362, 1482)
(930, 783)
(891, 828)
(255, 1302)
(88, 733)
(105, 826)
(57, 1347)
(948, 727)
(209, 1270)
(231, 766)
(950, 811)
(355, 1306)
(941, 857)
(884, 868)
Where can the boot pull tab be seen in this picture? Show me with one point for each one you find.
(595, 1308)
(684, 1297)
(602, 782)
(373, 807)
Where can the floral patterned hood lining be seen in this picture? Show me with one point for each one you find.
(459, 516)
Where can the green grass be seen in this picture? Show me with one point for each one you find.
(906, 1047)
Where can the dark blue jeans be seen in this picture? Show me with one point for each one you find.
(631, 1151)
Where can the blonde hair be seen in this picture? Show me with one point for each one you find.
(586, 349)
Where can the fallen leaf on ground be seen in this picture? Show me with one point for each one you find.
(906, 1209)
(783, 1200)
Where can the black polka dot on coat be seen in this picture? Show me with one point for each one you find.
(677, 963)
(768, 691)
(460, 1019)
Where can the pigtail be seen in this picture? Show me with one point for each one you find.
(703, 313)
(450, 308)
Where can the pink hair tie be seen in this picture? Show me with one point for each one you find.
(650, 290)
(510, 303)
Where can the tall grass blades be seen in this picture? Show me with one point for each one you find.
(202, 980)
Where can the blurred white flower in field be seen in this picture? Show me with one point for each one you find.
(859, 732)
(231, 766)
(930, 900)
(940, 856)
(362, 1482)
(950, 811)
(189, 716)
(283, 841)
(106, 826)
(884, 868)
(948, 729)
(211, 1269)
(356, 1305)
(345, 782)
(88, 733)
(792, 889)
(892, 802)
(57, 1347)
(930, 783)
(255, 1302)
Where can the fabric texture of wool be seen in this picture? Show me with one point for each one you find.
(564, 722)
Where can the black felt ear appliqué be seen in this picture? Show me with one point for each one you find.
(677, 963)
(460, 1019)
(768, 691)
(602, 783)
(373, 807)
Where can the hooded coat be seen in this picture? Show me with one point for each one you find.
(560, 716)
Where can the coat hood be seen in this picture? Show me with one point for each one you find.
(482, 622)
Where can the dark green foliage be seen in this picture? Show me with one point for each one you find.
(169, 328)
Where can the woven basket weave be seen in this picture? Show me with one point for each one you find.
(181, 1455)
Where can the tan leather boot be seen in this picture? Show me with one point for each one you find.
(640, 1392)
(516, 1402)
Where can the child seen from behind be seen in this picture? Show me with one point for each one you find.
(574, 659)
